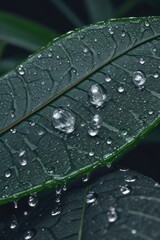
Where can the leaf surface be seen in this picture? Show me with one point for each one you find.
(119, 206)
(34, 154)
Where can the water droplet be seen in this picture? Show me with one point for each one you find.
(142, 61)
(49, 54)
(40, 133)
(109, 140)
(32, 201)
(121, 89)
(91, 197)
(85, 178)
(8, 173)
(25, 213)
(124, 169)
(13, 130)
(110, 30)
(13, 223)
(154, 49)
(125, 190)
(95, 40)
(156, 75)
(23, 158)
(56, 211)
(15, 204)
(108, 78)
(124, 132)
(133, 231)
(123, 34)
(94, 125)
(29, 234)
(91, 153)
(139, 78)
(58, 57)
(85, 50)
(64, 120)
(130, 179)
(39, 55)
(21, 71)
(146, 24)
(97, 95)
(32, 124)
(112, 215)
(12, 114)
(150, 112)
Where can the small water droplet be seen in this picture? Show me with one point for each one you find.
(56, 211)
(58, 57)
(124, 169)
(39, 55)
(108, 78)
(110, 30)
(91, 153)
(123, 34)
(125, 190)
(85, 178)
(32, 124)
(156, 75)
(146, 24)
(130, 179)
(109, 141)
(91, 197)
(23, 158)
(8, 173)
(133, 231)
(13, 223)
(121, 89)
(154, 49)
(40, 133)
(139, 78)
(21, 71)
(29, 234)
(150, 112)
(12, 114)
(142, 61)
(97, 95)
(49, 54)
(32, 201)
(85, 50)
(124, 132)
(13, 130)
(15, 204)
(25, 213)
(112, 215)
(64, 120)
(94, 125)
(95, 40)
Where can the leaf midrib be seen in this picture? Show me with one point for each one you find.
(78, 82)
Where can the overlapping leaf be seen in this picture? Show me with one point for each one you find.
(61, 75)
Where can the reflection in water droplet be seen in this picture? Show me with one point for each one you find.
(139, 78)
(85, 50)
(97, 95)
(123, 34)
(91, 197)
(29, 234)
(130, 179)
(125, 190)
(21, 71)
(112, 215)
(32, 201)
(40, 133)
(94, 125)
(64, 120)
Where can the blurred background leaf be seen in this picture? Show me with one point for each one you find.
(99, 9)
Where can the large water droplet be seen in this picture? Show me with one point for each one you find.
(139, 78)
(29, 234)
(97, 95)
(32, 201)
(91, 197)
(64, 120)
(112, 215)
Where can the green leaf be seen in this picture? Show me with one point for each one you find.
(99, 9)
(119, 205)
(24, 33)
(56, 82)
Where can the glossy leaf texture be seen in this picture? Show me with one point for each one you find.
(78, 103)
(23, 33)
(120, 205)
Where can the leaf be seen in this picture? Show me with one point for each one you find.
(36, 151)
(99, 9)
(119, 206)
(24, 33)
(67, 11)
